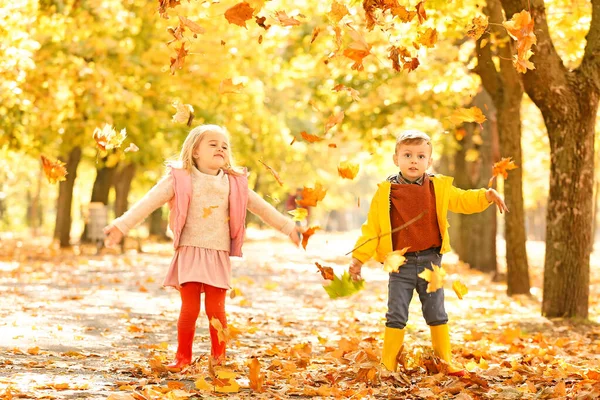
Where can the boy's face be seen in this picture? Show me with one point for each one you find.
(413, 159)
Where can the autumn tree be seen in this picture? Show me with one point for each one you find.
(568, 100)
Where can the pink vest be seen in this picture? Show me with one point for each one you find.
(238, 203)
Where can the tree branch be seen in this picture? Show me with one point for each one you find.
(590, 65)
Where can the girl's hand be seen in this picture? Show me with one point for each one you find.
(295, 236)
(492, 196)
(113, 235)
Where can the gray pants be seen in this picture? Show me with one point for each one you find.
(405, 281)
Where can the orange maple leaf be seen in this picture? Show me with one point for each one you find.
(326, 272)
(308, 233)
(478, 27)
(273, 172)
(310, 138)
(255, 377)
(402, 13)
(353, 92)
(178, 61)
(428, 38)
(191, 25)
(315, 33)
(284, 20)
(239, 14)
(501, 168)
(227, 86)
(473, 114)
(421, 12)
(310, 196)
(164, 4)
(54, 171)
(520, 28)
(337, 12)
(412, 64)
(358, 49)
(348, 170)
(333, 120)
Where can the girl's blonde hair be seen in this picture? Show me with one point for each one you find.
(186, 157)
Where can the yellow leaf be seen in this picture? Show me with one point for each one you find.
(255, 377)
(225, 382)
(473, 114)
(334, 120)
(227, 86)
(221, 331)
(284, 20)
(478, 27)
(348, 170)
(428, 38)
(107, 138)
(460, 289)
(184, 113)
(337, 12)
(435, 277)
(273, 172)
(54, 171)
(201, 384)
(299, 214)
(394, 260)
(33, 351)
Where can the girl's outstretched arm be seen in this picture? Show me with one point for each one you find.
(157, 196)
(266, 212)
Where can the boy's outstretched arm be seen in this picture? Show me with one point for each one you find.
(494, 197)
(365, 247)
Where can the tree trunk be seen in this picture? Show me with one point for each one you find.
(100, 191)
(158, 225)
(506, 90)
(477, 231)
(62, 228)
(568, 100)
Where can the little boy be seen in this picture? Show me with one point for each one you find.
(400, 199)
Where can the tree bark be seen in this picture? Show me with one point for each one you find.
(568, 101)
(100, 191)
(506, 90)
(62, 228)
(477, 244)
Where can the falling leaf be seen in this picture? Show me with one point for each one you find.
(310, 196)
(191, 25)
(315, 33)
(164, 4)
(358, 49)
(326, 272)
(523, 64)
(255, 377)
(284, 20)
(184, 113)
(461, 115)
(435, 277)
(333, 120)
(411, 65)
(54, 171)
(478, 27)
(501, 168)
(428, 38)
(520, 28)
(403, 14)
(332, 145)
(299, 214)
(343, 286)
(260, 39)
(208, 210)
(348, 170)
(222, 333)
(310, 138)
(273, 172)
(239, 14)
(308, 233)
(107, 138)
(260, 21)
(337, 12)
(353, 92)
(460, 133)
(421, 12)
(394, 260)
(178, 61)
(131, 148)
(227, 86)
(460, 289)
(235, 292)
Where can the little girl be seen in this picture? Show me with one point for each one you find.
(208, 198)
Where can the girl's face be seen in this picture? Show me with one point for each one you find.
(212, 153)
(413, 159)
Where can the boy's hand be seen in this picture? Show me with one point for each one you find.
(295, 236)
(354, 270)
(113, 235)
(492, 196)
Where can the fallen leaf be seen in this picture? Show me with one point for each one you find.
(326, 272)
(308, 233)
(54, 171)
(348, 170)
(394, 260)
(239, 14)
(201, 384)
(435, 277)
(460, 289)
(273, 172)
(255, 377)
(225, 382)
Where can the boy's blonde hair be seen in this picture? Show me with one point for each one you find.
(413, 136)
(186, 156)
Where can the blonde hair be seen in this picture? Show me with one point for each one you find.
(186, 156)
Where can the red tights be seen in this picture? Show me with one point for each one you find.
(214, 305)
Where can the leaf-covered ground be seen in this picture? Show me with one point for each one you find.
(74, 325)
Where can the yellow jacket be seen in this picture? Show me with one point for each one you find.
(447, 198)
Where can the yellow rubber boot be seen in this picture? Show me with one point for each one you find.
(393, 339)
(440, 339)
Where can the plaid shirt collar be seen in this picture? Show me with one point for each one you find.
(399, 179)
